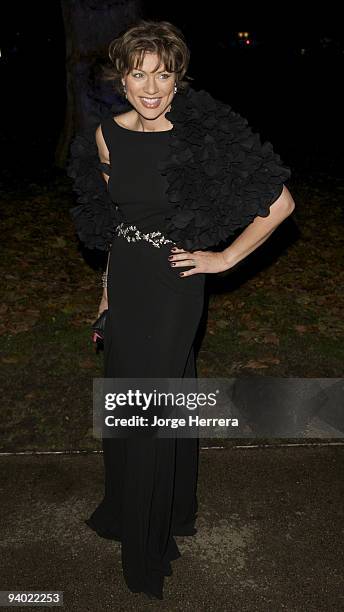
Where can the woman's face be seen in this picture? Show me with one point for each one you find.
(150, 93)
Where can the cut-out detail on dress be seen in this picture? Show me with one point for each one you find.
(105, 167)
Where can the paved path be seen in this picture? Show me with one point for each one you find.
(270, 533)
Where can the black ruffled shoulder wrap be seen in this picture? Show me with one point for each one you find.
(220, 177)
(96, 216)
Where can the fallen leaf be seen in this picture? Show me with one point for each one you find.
(300, 328)
(255, 365)
(10, 359)
(271, 338)
(86, 363)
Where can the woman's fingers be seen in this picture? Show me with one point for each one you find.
(183, 256)
(199, 261)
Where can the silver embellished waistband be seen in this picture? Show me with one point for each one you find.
(131, 233)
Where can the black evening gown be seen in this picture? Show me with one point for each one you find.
(150, 483)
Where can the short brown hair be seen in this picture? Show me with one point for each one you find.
(160, 37)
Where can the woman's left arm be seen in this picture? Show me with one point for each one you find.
(252, 237)
(259, 230)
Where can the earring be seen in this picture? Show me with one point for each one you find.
(175, 88)
(124, 91)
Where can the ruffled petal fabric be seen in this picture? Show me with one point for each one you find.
(96, 216)
(219, 174)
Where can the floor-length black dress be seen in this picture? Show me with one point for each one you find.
(153, 316)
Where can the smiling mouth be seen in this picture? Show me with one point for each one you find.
(150, 102)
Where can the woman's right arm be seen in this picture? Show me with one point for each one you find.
(104, 299)
(103, 151)
(104, 157)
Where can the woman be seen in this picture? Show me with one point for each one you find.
(182, 173)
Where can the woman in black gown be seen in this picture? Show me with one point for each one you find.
(151, 323)
(153, 311)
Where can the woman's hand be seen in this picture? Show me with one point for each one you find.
(103, 303)
(203, 261)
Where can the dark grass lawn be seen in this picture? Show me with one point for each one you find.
(278, 313)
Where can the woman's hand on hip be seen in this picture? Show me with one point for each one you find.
(209, 262)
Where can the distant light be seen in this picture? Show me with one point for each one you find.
(248, 42)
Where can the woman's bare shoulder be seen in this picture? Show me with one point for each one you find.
(125, 119)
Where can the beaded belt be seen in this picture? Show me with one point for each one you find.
(131, 233)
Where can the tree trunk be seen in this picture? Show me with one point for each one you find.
(90, 25)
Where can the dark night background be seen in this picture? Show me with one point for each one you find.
(286, 82)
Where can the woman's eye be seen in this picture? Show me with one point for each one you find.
(140, 74)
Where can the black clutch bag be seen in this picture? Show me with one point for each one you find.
(98, 328)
